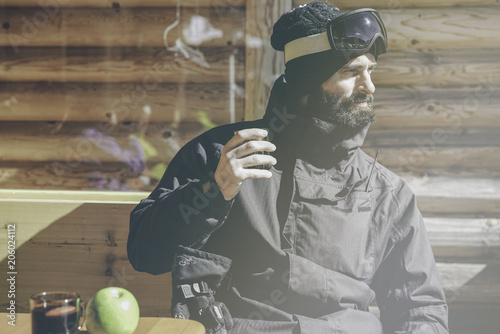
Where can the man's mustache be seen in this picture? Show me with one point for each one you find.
(360, 97)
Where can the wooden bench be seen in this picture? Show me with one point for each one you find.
(76, 240)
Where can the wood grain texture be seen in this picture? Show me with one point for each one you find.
(77, 143)
(127, 27)
(78, 247)
(400, 4)
(463, 240)
(262, 64)
(408, 29)
(436, 68)
(433, 107)
(483, 288)
(396, 107)
(147, 325)
(448, 28)
(471, 283)
(432, 137)
(446, 160)
(118, 65)
(95, 102)
(61, 175)
(458, 197)
(127, 3)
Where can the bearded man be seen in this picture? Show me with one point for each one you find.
(284, 225)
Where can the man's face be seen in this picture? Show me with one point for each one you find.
(346, 97)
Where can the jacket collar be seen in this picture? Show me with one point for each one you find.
(327, 145)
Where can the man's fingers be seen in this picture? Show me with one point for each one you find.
(257, 159)
(257, 174)
(245, 135)
(253, 146)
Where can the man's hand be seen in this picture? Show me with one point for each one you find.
(237, 155)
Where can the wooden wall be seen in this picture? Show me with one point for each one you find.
(85, 86)
(99, 95)
(91, 98)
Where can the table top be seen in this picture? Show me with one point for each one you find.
(147, 325)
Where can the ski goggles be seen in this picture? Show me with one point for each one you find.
(349, 34)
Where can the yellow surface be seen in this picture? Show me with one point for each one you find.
(147, 325)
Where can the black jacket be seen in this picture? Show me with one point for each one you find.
(310, 248)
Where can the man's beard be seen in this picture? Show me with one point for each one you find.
(330, 107)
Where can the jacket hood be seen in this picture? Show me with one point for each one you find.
(316, 141)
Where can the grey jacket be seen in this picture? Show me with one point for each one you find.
(312, 247)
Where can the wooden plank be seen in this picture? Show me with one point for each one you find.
(147, 325)
(470, 283)
(76, 143)
(407, 28)
(449, 160)
(78, 247)
(435, 68)
(457, 107)
(457, 197)
(482, 288)
(462, 207)
(127, 27)
(401, 4)
(448, 28)
(119, 65)
(61, 175)
(438, 68)
(457, 172)
(485, 188)
(95, 102)
(78, 197)
(125, 3)
(263, 65)
(463, 240)
(432, 137)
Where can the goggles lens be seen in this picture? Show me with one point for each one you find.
(357, 32)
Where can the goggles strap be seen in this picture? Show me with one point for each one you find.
(307, 45)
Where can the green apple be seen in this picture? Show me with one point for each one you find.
(112, 311)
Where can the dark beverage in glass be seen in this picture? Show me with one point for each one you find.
(55, 313)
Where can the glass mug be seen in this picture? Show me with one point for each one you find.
(56, 313)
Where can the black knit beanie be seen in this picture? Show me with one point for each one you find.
(305, 73)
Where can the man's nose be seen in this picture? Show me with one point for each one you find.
(365, 84)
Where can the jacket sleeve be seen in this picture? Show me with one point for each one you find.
(407, 285)
(182, 210)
